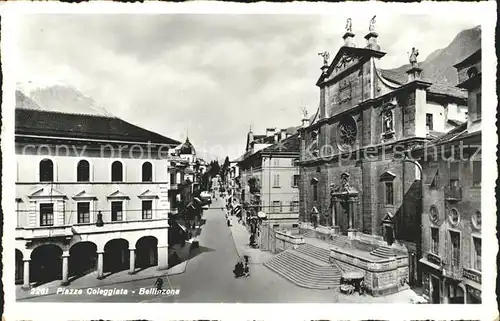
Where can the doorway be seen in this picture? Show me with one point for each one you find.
(343, 217)
(389, 234)
(435, 290)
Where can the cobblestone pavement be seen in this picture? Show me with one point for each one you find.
(209, 279)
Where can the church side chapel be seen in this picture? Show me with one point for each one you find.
(359, 191)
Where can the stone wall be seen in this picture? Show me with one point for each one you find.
(285, 241)
(382, 277)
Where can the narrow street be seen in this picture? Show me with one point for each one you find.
(209, 278)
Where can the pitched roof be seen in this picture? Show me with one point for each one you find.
(436, 87)
(50, 123)
(452, 134)
(476, 56)
(286, 146)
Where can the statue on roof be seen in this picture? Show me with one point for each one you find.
(305, 113)
(348, 26)
(413, 57)
(371, 28)
(326, 57)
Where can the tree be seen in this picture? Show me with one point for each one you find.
(225, 168)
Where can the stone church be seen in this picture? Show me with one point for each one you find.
(357, 178)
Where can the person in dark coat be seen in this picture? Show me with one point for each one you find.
(238, 269)
(159, 283)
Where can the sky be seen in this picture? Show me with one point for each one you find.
(209, 76)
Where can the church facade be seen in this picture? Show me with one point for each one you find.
(355, 179)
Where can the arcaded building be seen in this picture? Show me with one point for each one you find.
(354, 178)
(91, 194)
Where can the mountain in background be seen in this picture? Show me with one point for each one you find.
(59, 98)
(438, 66)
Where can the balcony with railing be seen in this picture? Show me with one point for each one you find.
(453, 192)
(68, 230)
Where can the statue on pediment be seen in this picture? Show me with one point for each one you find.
(413, 57)
(326, 57)
(344, 179)
(348, 26)
(371, 28)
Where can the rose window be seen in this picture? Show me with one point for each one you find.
(454, 216)
(433, 214)
(476, 220)
(347, 133)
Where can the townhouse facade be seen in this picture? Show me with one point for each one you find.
(451, 219)
(270, 183)
(92, 193)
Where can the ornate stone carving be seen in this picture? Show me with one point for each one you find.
(347, 133)
(344, 61)
(344, 186)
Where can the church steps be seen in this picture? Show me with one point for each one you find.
(315, 252)
(383, 252)
(304, 271)
(314, 271)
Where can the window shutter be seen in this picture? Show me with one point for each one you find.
(454, 171)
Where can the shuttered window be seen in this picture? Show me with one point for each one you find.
(476, 173)
(454, 171)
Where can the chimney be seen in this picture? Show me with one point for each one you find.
(250, 136)
(270, 131)
(283, 134)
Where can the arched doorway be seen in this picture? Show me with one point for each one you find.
(46, 263)
(116, 255)
(82, 258)
(19, 267)
(146, 252)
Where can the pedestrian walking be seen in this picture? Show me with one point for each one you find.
(159, 284)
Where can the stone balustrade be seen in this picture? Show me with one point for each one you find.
(286, 240)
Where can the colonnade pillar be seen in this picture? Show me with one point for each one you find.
(100, 265)
(26, 274)
(65, 258)
(132, 261)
